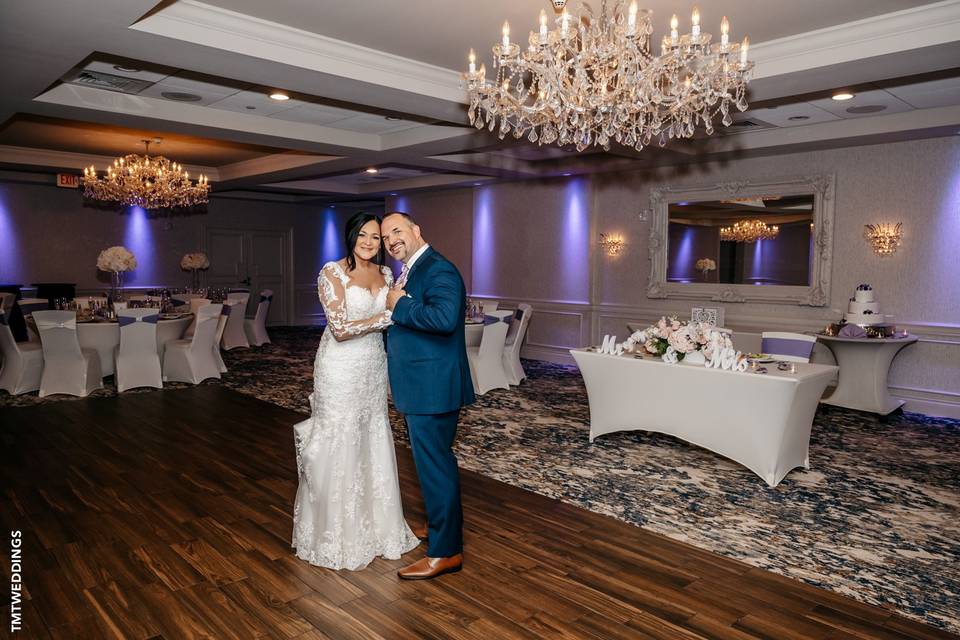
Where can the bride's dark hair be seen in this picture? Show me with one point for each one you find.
(352, 232)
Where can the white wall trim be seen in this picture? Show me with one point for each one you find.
(210, 26)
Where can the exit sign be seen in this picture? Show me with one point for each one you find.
(68, 181)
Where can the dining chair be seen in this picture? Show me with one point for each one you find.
(233, 335)
(7, 300)
(486, 361)
(486, 306)
(192, 360)
(22, 364)
(790, 347)
(221, 325)
(256, 327)
(513, 343)
(67, 368)
(195, 304)
(137, 359)
(27, 307)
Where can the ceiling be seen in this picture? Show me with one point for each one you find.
(376, 84)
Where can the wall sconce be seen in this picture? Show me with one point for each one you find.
(612, 244)
(885, 237)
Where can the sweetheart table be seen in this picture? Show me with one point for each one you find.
(762, 421)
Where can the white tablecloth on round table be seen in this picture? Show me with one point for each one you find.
(761, 421)
(105, 337)
(864, 366)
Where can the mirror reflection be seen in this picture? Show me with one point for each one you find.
(760, 240)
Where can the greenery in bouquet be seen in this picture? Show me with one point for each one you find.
(672, 339)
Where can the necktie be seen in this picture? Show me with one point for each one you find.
(402, 280)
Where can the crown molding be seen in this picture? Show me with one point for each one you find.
(916, 28)
(29, 156)
(210, 26)
(270, 164)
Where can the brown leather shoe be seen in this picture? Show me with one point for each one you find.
(428, 567)
(420, 530)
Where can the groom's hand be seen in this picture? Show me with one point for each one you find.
(392, 296)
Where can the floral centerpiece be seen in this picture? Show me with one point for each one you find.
(194, 263)
(705, 266)
(116, 261)
(673, 340)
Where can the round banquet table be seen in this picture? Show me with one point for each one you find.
(105, 337)
(864, 365)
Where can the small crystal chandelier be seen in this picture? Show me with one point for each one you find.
(593, 80)
(612, 244)
(142, 181)
(885, 237)
(748, 231)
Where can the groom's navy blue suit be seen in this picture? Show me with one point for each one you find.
(430, 381)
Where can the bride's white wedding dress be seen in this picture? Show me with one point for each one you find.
(348, 508)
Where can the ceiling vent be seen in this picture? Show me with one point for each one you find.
(109, 82)
(743, 125)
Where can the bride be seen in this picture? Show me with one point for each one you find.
(348, 508)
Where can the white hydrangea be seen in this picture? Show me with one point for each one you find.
(116, 259)
(192, 261)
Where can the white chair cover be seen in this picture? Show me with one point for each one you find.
(137, 360)
(221, 325)
(486, 306)
(192, 360)
(513, 343)
(67, 368)
(27, 307)
(7, 300)
(233, 334)
(22, 363)
(256, 328)
(486, 361)
(791, 347)
(195, 304)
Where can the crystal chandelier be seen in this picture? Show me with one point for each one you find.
(748, 231)
(593, 79)
(142, 181)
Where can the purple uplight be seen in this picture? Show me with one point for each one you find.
(757, 270)
(10, 255)
(575, 266)
(684, 261)
(484, 244)
(138, 237)
(330, 248)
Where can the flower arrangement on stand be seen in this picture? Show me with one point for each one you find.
(116, 261)
(705, 266)
(675, 341)
(194, 263)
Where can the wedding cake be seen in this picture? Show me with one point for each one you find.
(863, 309)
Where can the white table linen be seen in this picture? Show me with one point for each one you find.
(762, 421)
(864, 366)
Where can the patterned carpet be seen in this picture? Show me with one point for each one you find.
(877, 517)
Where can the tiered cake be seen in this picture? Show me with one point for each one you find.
(863, 309)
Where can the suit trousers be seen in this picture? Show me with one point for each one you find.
(431, 437)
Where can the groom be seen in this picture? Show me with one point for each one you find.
(430, 381)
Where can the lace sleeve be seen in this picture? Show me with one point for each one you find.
(332, 290)
(387, 274)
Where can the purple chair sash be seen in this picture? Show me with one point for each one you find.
(266, 298)
(125, 320)
(494, 319)
(177, 303)
(787, 347)
(225, 310)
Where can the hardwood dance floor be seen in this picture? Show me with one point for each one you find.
(168, 515)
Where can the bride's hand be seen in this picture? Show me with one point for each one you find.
(393, 295)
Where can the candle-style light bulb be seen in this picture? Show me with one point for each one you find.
(543, 27)
(506, 35)
(724, 31)
(674, 25)
(632, 18)
(564, 22)
(695, 19)
(743, 50)
(473, 61)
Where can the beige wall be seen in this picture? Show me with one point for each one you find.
(527, 245)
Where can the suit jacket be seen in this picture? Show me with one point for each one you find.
(426, 348)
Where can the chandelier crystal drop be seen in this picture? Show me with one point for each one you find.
(592, 80)
(748, 231)
(148, 182)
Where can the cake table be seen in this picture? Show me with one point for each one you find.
(864, 365)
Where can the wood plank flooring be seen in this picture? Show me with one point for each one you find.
(168, 516)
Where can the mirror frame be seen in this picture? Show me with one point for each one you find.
(816, 294)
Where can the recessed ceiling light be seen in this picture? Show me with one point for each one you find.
(567, 174)
(250, 107)
(477, 184)
(179, 96)
(373, 170)
(120, 67)
(393, 194)
(795, 118)
(842, 95)
(280, 97)
(391, 118)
